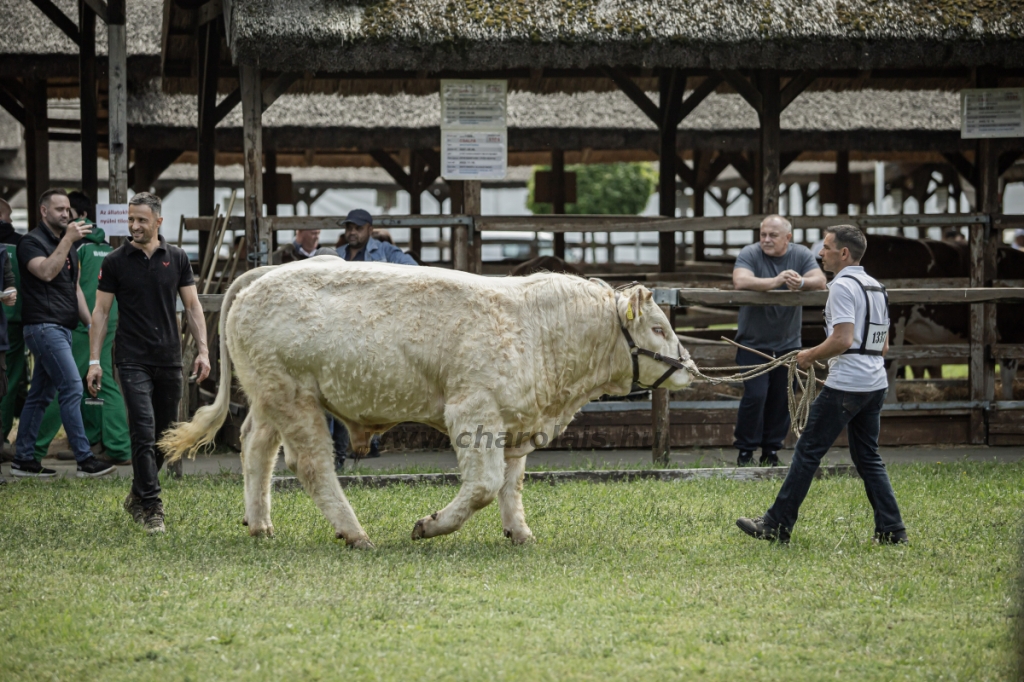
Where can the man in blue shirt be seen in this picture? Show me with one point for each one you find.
(362, 246)
(773, 263)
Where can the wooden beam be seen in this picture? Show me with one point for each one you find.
(393, 168)
(208, 64)
(1007, 159)
(795, 86)
(685, 173)
(210, 11)
(744, 87)
(633, 91)
(786, 158)
(87, 96)
(731, 298)
(117, 106)
(770, 148)
(12, 106)
(148, 168)
(227, 104)
(98, 7)
(671, 85)
(558, 190)
(60, 20)
(843, 182)
(37, 145)
(698, 95)
(256, 229)
(964, 167)
(278, 87)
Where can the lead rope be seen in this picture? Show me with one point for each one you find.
(799, 408)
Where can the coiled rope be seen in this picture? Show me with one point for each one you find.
(805, 382)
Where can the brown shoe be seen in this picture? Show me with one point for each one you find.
(153, 520)
(133, 506)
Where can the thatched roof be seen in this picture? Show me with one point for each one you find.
(825, 111)
(27, 31)
(480, 35)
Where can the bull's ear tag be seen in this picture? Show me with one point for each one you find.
(629, 311)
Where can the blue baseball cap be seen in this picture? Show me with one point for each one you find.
(359, 217)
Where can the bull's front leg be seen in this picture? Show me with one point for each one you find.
(510, 499)
(482, 464)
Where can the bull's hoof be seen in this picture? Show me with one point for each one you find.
(520, 537)
(261, 531)
(422, 529)
(361, 542)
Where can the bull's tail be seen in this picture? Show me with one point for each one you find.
(189, 437)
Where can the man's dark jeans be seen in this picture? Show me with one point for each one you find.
(831, 411)
(763, 418)
(151, 397)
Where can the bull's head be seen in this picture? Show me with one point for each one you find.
(656, 347)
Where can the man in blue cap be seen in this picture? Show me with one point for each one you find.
(362, 246)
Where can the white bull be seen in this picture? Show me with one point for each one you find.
(377, 344)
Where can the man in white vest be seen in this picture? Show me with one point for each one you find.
(857, 326)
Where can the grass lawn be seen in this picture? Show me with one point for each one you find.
(643, 580)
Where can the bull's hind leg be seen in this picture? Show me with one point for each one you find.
(481, 463)
(510, 499)
(260, 441)
(305, 434)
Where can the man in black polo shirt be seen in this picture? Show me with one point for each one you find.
(146, 275)
(52, 305)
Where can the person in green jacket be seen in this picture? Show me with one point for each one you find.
(107, 423)
(16, 355)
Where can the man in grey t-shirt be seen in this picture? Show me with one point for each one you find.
(773, 263)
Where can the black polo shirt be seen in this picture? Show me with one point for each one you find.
(56, 301)
(146, 290)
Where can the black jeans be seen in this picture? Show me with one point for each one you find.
(763, 418)
(151, 397)
(831, 411)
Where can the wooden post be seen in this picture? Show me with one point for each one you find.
(87, 97)
(843, 182)
(270, 190)
(37, 147)
(460, 234)
(256, 229)
(208, 44)
(471, 206)
(771, 108)
(117, 107)
(700, 163)
(671, 84)
(415, 200)
(983, 245)
(558, 190)
(661, 426)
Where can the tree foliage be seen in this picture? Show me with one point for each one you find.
(612, 188)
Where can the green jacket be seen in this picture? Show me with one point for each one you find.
(13, 313)
(91, 251)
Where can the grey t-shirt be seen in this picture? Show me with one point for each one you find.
(773, 327)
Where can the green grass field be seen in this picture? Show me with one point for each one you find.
(642, 580)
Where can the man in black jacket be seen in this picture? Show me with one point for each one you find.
(52, 306)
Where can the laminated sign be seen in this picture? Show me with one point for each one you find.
(112, 219)
(992, 112)
(474, 129)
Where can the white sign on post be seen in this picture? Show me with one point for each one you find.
(474, 133)
(112, 219)
(992, 112)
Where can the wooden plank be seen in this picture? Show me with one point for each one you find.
(1008, 350)
(711, 297)
(87, 98)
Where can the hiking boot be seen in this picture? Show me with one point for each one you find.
(896, 537)
(755, 528)
(133, 505)
(31, 469)
(153, 519)
(769, 458)
(745, 458)
(93, 468)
